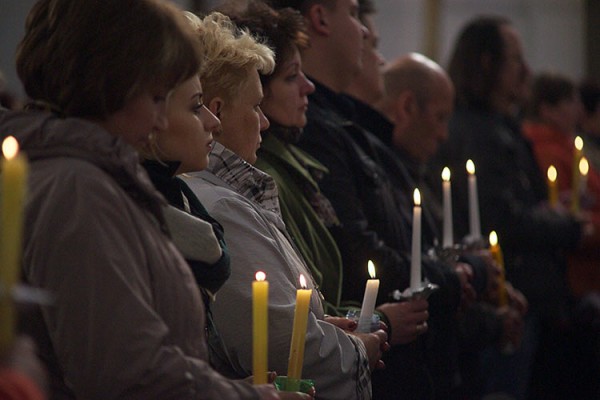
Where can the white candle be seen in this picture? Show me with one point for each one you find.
(474, 224)
(368, 304)
(415, 266)
(448, 239)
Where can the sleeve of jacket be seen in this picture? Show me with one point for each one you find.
(105, 330)
(331, 358)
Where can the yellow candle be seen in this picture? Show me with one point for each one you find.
(14, 171)
(584, 169)
(260, 301)
(474, 222)
(448, 236)
(368, 304)
(299, 331)
(577, 154)
(552, 186)
(498, 257)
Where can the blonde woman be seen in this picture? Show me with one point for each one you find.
(244, 200)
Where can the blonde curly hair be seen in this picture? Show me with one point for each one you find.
(229, 53)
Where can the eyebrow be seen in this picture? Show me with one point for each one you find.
(198, 95)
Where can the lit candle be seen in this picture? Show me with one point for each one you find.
(474, 224)
(299, 331)
(260, 319)
(552, 186)
(584, 169)
(415, 266)
(496, 252)
(575, 191)
(14, 171)
(368, 304)
(448, 239)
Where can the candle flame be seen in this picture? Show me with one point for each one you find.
(552, 173)
(584, 166)
(578, 143)
(417, 197)
(470, 167)
(446, 174)
(371, 267)
(493, 238)
(10, 147)
(260, 276)
(302, 281)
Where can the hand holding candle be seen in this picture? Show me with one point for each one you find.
(415, 266)
(296, 358)
(448, 238)
(552, 186)
(260, 334)
(474, 223)
(496, 252)
(14, 171)
(368, 304)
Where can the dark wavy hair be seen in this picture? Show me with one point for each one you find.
(283, 30)
(474, 81)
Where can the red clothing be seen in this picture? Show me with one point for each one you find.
(16, 386)
(552, 147)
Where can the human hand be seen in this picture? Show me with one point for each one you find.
(408, 319)
(344, 324)
(375, 343)
(516, 299)
(512, 326)
(268, 392)
(22, 357)
(465, 276)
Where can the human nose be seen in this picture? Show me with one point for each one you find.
(264, 122)
(307, 85)
(209, 120)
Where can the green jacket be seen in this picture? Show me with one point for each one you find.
(291, 168)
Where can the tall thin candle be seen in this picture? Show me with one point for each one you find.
(369, 299)
(448, 236)
(14, 169)
(260, 332)
(552, 186)
(575, 188)
(474, 223)
(415, 266)
(499, 258)
(299, 331)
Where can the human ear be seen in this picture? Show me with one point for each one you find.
(318, 19)
(215, 105)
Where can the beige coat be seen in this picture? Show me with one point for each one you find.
(128, 320)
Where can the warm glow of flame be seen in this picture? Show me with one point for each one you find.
(470, 167)
(578, 143)
(552, 173)
(446, 174)
(371, 267)
(584, 166)
(260, 276)
(493, 238)
(10, 147)
(302, 281)
(417, 197)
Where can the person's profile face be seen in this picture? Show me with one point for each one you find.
(189, 136)
(242, 120)
(286, 97)
(139, 117)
